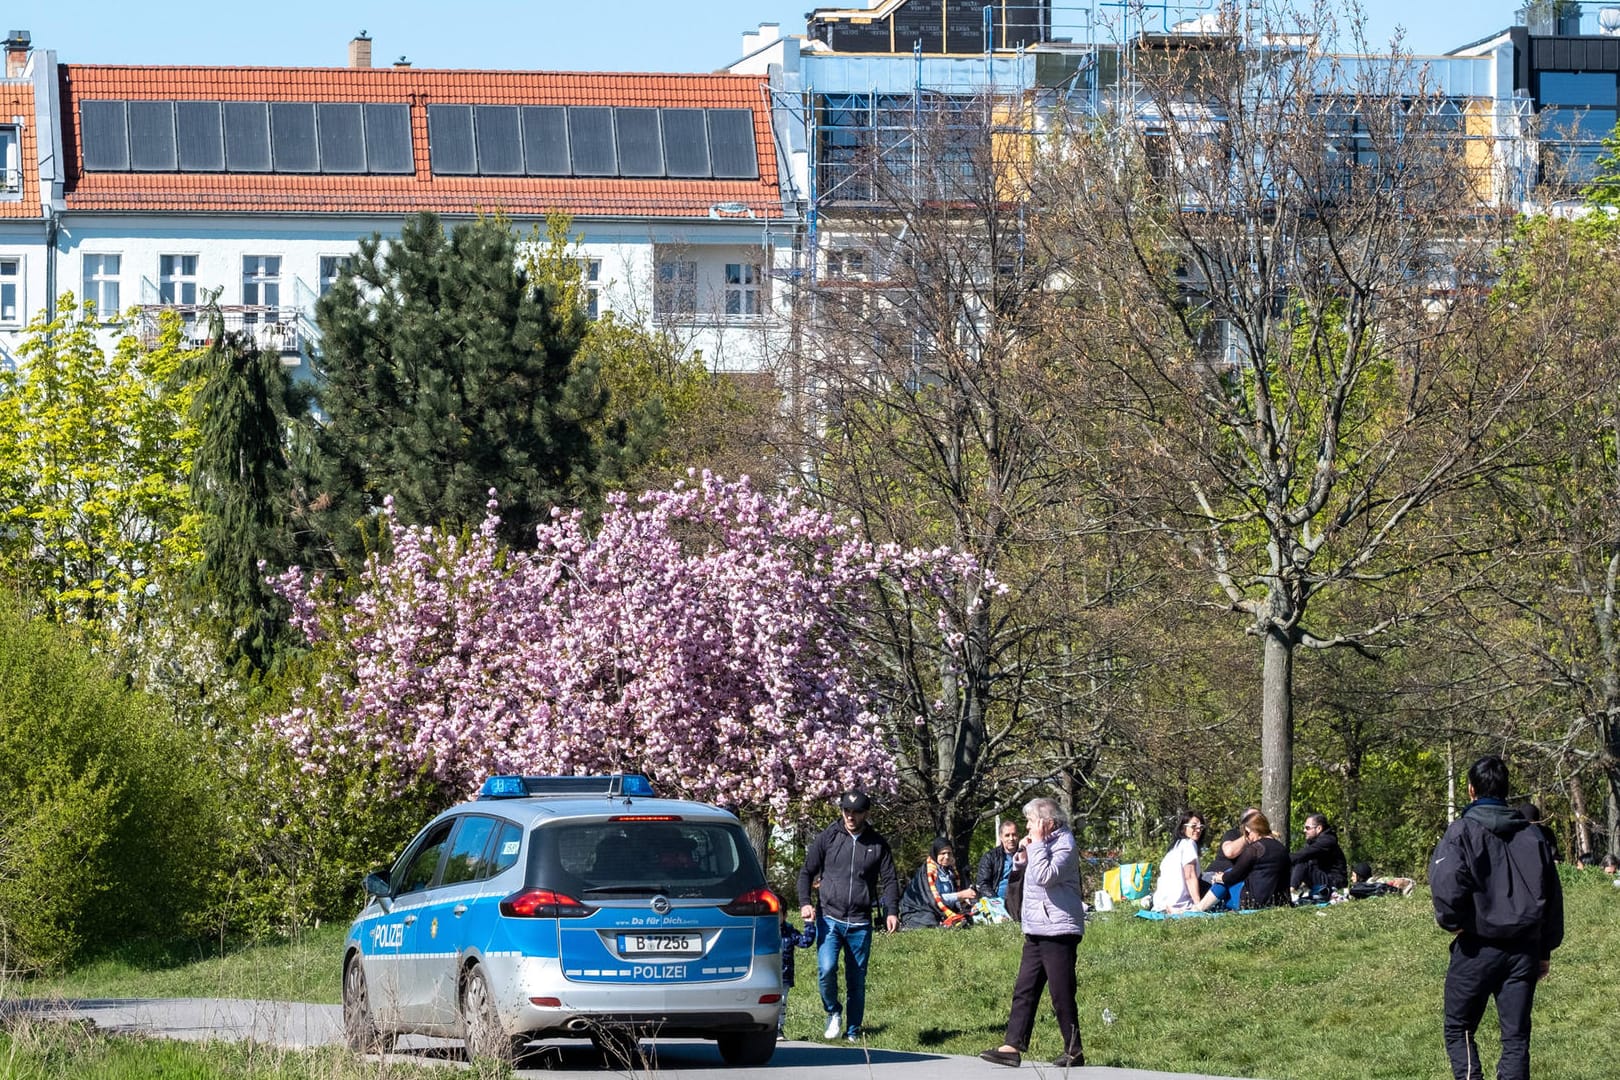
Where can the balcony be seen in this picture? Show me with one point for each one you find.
(277, 330)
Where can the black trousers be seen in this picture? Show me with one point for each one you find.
(1479, 970)
(1046, 962)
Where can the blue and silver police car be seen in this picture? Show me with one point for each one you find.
(555, 907)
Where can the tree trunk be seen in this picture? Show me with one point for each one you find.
(1277, 731)
(758, 827)
(1583, 822)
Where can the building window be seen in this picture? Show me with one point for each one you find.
(261, 281)
(177, 279)
(846, 264)
(101, 284)
(590, 279)
(677, 287)
(10, 164)
(11, 292)
(332, 268)
(745, 293)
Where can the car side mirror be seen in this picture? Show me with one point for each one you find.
(377, 885)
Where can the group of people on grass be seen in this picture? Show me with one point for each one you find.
(1494, 887)
(849, 868)
(1252, 869)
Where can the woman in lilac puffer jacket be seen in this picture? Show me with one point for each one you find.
(1054, 918)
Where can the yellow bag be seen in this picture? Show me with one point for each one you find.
(1129, 881)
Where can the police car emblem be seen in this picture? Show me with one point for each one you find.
(660, 904)
(433, 929)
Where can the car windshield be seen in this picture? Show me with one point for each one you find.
(640, 858)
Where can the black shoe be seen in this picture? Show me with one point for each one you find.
(1011, 1058)
(1069, 1061)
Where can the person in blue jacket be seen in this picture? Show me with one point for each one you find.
(792, 938)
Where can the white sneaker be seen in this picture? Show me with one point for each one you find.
(835, 1024)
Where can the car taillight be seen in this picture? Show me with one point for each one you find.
(757, 902)
(544, 904)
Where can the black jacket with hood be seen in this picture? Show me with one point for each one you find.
(853, 869)
(1493, 876)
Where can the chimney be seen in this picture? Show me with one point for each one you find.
(360, 51)
(402, 63)
(17, 47)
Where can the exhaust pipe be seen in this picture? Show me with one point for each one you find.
(577, 1023)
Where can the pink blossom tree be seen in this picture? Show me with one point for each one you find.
(709, 635)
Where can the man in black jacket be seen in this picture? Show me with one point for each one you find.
(1496, 889)
(854, 862)
(1001, 875)
(1320, 863)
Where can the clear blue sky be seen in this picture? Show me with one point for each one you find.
(553, 35)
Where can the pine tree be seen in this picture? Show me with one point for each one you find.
(445, 373)
(241, 485)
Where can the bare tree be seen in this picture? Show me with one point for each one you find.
(1269, 256)
(936, 423)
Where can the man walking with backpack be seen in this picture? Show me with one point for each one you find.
(1496, 889)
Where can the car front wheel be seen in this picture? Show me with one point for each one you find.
(480, 1027)
(360, 1032)
(752, 1048)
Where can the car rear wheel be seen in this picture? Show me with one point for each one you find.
(751, 1048)
(480, 1026)
(360, 1032)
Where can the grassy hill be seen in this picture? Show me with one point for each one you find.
(1348, 991)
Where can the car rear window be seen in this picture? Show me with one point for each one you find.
(640, 858)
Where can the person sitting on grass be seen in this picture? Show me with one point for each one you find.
(1263, 867)
(1177, 890)
(1611, 864)
(932, 898)
(1233, 841)
(1364, 885)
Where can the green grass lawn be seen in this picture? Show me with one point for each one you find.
(1348, 991)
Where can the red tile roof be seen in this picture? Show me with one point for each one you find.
(419, 87)
(17, 99)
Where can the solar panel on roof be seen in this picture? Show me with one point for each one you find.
(686, 143)
(104, 135)
(731, 143)
(641, 146)
(545, 140)
(388, 138)
(247, 136)
(292, 137)
(450, 140)
(151, 136)
(500, 140)
(199, 136)
(590, 140)
(342, 137)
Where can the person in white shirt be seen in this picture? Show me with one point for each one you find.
(1178, 887)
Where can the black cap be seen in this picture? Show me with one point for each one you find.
(856, 801)
(1363, 871)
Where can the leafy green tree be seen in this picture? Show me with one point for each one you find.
(106, 833)
(94, 452)
(241, 486)
(446, 372)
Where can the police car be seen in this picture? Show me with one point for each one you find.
(555, 907)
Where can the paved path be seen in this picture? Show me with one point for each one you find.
(293, 1024)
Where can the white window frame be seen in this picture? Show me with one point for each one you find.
(10, 161)
(675, 293)
(262, 275)
(745, 294)
(102, 283)
(329, 268)
(177, 286)
(13, 295)
(590, 280)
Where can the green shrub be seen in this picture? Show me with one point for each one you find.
(107, 832)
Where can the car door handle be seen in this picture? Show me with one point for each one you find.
(409, 919)
(459, 910)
